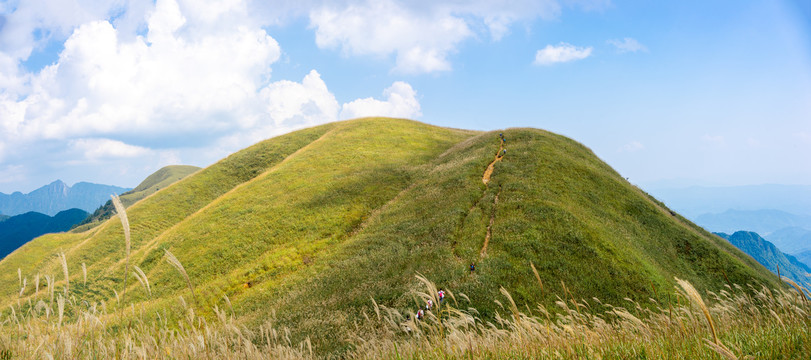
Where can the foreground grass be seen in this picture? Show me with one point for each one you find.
(771, 324)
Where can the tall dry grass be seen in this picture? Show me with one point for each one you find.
(125, 224)
(734, 323)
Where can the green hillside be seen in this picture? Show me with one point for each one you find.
(307, 227)
(154, 182)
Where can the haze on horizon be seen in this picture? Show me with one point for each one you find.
(684, 92)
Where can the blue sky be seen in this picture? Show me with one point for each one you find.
(681, 92)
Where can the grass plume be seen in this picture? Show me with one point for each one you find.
(64, 262)
(172, 260)
(125, 223)
(141, 276)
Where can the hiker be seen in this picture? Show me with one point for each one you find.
(472, 267)
(441, 295)
(501, 135)
(503, 152)
(429, 305)
(419, 315)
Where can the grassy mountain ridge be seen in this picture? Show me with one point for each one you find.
(162, 178)
(310, 225)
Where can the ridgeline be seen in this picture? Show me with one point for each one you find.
(307, 227)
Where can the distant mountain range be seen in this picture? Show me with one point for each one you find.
(793, 240)
(804, 257)
(763, 222)
(19, 229)
(769, 255)
(57, 196)
(697, 200)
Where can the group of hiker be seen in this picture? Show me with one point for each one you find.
(441, 293)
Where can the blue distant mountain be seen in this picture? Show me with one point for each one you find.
(764, 222)
(58, 196)
(697, 200)
(793, 240)
(20, 229)
(769, 255)
(804, 257)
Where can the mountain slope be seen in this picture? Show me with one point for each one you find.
(310, 225)
(58, 196)
(792, 240)
(19, 229)
(769, 255)
(804, 257)
(162, 178)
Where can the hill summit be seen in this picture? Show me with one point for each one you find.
(306, 228)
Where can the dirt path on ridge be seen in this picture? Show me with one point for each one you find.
(486, 179)
(483, 252)
(489, 171)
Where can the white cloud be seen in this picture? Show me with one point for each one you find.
(627, 45)
(401, 101)
(106, 148)
(421, 35)
(293, 105)
(166, 81)
(561, 53)
(632, 146)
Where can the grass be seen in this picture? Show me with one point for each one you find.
(305, 228)
(160, 179)
(760, 323)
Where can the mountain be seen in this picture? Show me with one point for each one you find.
(760, 221)
(791, 240)
(58, 196)
(804, 257)
(769, 255)
(162, 178)
(696, 200)
(308, 227)
(19, 229)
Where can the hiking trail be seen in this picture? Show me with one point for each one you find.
(489, 233)
(489, 171)
(486, 179)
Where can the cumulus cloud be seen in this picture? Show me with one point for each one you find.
(166, 81)
(561, 53)
(401, 101)
(627, 45)
(420, 35)
(106, 148)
